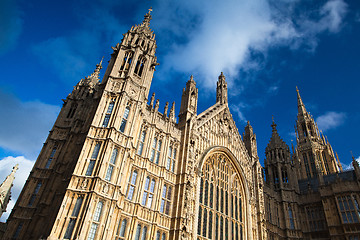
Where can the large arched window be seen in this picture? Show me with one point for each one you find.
(220, 200)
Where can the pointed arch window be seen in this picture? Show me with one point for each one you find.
(166, 199)
(73, 217)
(141, 232)
(171, 160)
(284, 175)
(72, 111)
(50, 159)
(141, 142)
(111, 166)
(121, 229)
(156, 150)
(125, 117)
(94, 156)
(291, 218)
(219, 185)
(127, 61)
(17, 231)
(140, 66)
(131, 185)
(96, 221)
(34, 194)
(148, 195)
(108, 113)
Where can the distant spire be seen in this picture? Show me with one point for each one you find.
(94, 77)
(301, 106)
(5, 189)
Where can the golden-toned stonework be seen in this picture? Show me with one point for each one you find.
(114, 167)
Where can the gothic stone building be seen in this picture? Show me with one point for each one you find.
(114, 167)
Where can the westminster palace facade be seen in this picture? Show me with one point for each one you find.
(114, 167)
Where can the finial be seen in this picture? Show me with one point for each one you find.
(273, 125)
(152, 99)
(147, 18)
(15, 168)
(221, 76)
(166, 108)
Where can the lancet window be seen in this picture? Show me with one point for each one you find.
(127, 61)
(166, 199)
(131, 185)
(141, 232)
(160, 235)
(291, 218)
(140, 66)
(148, 195)
(73, 217)
(220, 200)
(93, 158)
(141, 141)
(171, 160)
(125, 117)
(120, 234)
(48, 163)
(108, 113)
(34, 194)
(111, 166)
(96, 221)
(156, 150)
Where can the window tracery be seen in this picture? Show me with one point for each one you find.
(220, 200)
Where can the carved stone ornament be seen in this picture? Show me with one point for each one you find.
(115, 86)
(84, 184)
(105, 188)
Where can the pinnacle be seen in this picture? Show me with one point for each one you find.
(301, 106)
(147, 18)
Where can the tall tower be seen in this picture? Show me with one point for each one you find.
(80, 160)
(278, 166)
(281, 190)
(5, 189)
(313, 151)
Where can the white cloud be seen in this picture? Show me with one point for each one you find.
(6, 165)
(330, 120)
(238, 109)
(25, 125)
(11, 24)
(221, 35)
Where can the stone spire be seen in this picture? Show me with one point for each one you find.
(94, 77)
(5, 189)
(275, 141)
(301, 106)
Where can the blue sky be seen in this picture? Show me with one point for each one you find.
(264, 47)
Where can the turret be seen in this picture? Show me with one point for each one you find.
(133, 60)
(221, 90)
(250, 141)
(314, 153)
(278, 165)
(189, 100)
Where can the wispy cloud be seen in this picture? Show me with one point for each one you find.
(6, 165)
(330, 120)
(238, 110)
(11, 24)
(223, 34)
(22, 122)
